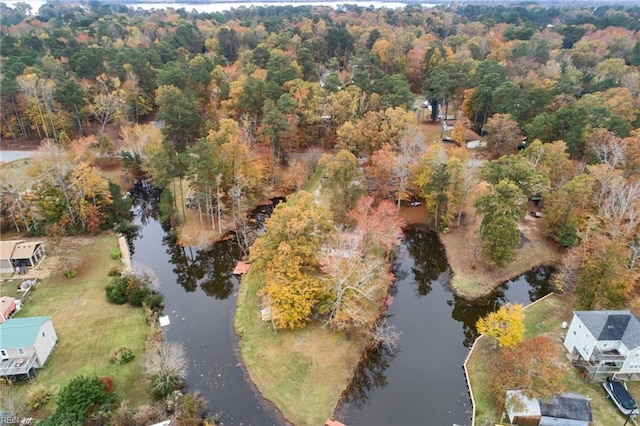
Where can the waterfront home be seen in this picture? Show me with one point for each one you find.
(20, 255)
(25, 345)
(605, 344)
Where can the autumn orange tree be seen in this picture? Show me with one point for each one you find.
(605, 277)
(503, 135)
(506, 325)
(530, 367)
(567, 209)
(69, 189)
(355, 271)
(287, 259)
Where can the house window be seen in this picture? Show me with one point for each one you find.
(21, 351)
(43, 334)
(575, 333)
(4, 354)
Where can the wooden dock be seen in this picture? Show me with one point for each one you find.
(241, 268)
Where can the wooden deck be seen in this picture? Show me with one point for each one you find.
(16, 368)
(241, 268)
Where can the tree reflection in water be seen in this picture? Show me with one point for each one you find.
(211, 269)
(429, 259)
(145, 200)
(469, 313)
(369, 375)
(187, 271)
(539, 279)
(218, 264)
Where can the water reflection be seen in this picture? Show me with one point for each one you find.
(369, 375)
(218, 265)
(145, 202)
(201, 322)
(429, 259)
(185, 268)
(437, 329)
(468, 314)
(539, 280)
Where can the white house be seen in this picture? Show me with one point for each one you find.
(605, 344)
(568, 409)
(25, 345)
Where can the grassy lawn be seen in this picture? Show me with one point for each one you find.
(543, 318)
(314, 181)
(88, 326)
(10, 288)
(302, 372)
(472, 282)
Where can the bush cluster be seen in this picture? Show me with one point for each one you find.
(122, 355)
(37, 397)
(79, 399)
(116, 253)
(70, 273)
(114, 272)
(130, 289)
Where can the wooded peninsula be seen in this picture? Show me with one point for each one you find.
(512, 131)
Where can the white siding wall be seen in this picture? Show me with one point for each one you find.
(45, 342)
(13, 353)
(580, 338)
(632, 363)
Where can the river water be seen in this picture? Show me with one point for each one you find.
(7, 155)
(422, 384)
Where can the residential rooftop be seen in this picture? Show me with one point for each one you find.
(612, 325)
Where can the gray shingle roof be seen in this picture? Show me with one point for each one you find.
(567, 406)
(612, 325)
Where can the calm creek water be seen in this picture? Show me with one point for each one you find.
(422, 384)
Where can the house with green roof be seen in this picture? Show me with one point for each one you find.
(25, 345)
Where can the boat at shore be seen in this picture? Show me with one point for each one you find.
(617, 391)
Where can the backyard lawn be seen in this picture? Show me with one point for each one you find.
(89, 328)
(303, 372)
(543, 318)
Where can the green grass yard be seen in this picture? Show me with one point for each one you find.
(542, 318)
(89, 328)
(9, 288)
(303, 372)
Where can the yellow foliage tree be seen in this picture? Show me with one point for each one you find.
(286, 259)
(506, 325)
